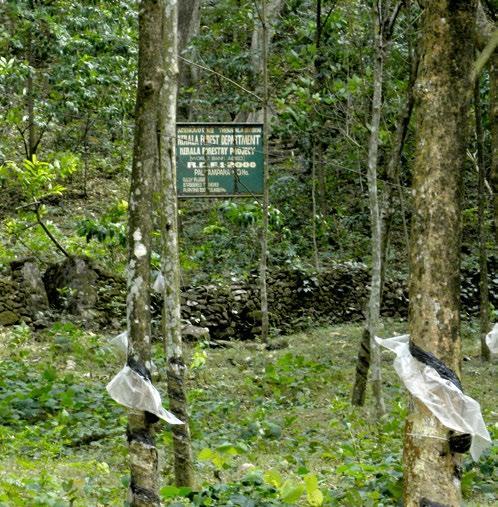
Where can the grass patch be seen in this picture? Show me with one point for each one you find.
(269, 428)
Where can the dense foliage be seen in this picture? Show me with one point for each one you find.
(67, 95)
(290, 437)
(67, 87)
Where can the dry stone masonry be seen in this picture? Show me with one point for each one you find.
(22, 295)
(229, 310)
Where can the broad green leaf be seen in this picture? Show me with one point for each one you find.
(290, 492)
(205, 454)
(184, 491)
(315, 498)
(313, 493)
(219, 460)
(169, 491)
(273, 478)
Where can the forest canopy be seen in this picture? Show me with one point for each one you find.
(236, 198)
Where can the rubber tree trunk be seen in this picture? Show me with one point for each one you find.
(262, 35)
(483, 236)
(316, 260)
(431, 471)
(30, 106)
(318, 148)
(143, 489)
(394, 164)
(265, 321)
(261, 38)
(170, 262)
(493, 125)
(373, 311)
(188, 27)
(30, 93)
(369, 353)
(393, 182)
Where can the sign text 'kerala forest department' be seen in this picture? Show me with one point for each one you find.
(219, 159)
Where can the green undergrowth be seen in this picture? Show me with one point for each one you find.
(269, 427)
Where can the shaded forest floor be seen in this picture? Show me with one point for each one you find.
(269, 428)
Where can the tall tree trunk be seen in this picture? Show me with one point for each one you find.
(493, 126)
(482, 205)
(317, 147)
(431, 470)
(30, 106)
(316, 260)
(261, 39)
(143, 489)
(170, 262)
(265, 324)
(86, 131)
(373, 311)
(393, 167)
(188, 27)
(393, 180)
(262, 35)
(30, 93)
(369, 353)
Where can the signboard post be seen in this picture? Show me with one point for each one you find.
(219, 159)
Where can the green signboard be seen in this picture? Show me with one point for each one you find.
(219, 159)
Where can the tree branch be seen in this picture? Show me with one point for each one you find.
(41, 134)
(331, 10)
(48, 233)
(392, 19)
(21, 132)
(258, 11)
(222, 76)
(485, 55)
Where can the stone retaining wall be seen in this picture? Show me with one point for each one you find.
(295, 301)
(231, 310)
(22, 295)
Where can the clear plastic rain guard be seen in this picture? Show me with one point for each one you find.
(492, 340)
(120, 344)
(158, 283)
(451, 406)
(130, 389)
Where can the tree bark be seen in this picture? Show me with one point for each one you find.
(188, 27)
(262, 36)
(170, 262)
(316, 260)
(369, 353)
(373, 148)
(30, 94)
(141, 431)
(493, 127)
(482, 205)
(393, 166)
(431, 471)
(317, 147)
(30, 106)
(261, 39)
(265, 324)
